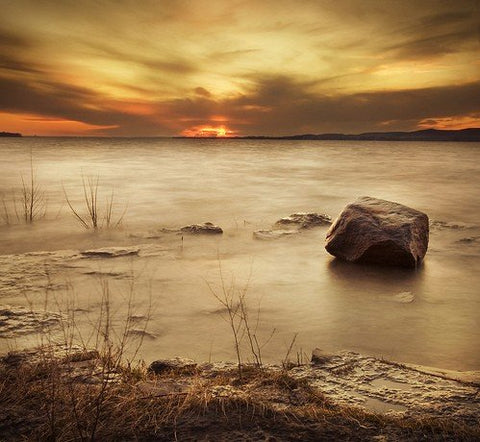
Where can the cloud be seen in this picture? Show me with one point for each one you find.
(66, 102)
(270, 67)
(201, 91)
(168, 63)
(12, 64)
(272, 105)
(9, 39)
(437, 35)
(282, 106)
(293, 106)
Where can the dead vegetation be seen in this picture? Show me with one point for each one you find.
(68, 392)
(27, 204)
(96, 215)
(83, 396)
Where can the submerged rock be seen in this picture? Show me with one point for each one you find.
(205, 228)
(179, 365)
(450, 225)
(404, 297)
(110, 252)
(469, 239)
(305, 220)
(380, 232)
(16, 321)
(292, 224)
(141, 333)
(267, 235)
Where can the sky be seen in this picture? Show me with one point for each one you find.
(237, 67)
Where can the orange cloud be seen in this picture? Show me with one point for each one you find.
(31, 124)
(451, 123)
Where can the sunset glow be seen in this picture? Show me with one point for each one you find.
(451, 123)
(44, 126)
(207, 132)
(261, 68)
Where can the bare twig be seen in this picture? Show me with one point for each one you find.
(96, 216)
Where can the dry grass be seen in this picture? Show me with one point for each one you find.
(243, 321)
(97, 214)
(46, 401)
(61, 391)
(27, 205)
(32, 198)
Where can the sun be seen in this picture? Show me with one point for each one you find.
(208, 131)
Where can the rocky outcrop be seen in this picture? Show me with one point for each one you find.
(380, 232)
(304, 220)
(205, 228)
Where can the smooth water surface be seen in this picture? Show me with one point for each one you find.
(429, 316)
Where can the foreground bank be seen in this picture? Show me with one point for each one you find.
(58, 394)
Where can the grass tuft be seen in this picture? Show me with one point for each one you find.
(27, 206)
(96, 214)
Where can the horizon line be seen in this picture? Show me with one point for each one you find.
(291, 137)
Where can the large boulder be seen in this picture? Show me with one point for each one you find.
(381, 232)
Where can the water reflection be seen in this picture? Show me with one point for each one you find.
(360, 277)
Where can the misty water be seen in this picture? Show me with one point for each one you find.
(429, 316)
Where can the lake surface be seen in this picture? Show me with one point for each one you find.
(429, 316)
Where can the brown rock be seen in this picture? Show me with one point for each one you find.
(380, 232)
(205, 228)
(320, 357)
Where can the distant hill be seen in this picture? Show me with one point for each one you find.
(10, 134)
(472, 134)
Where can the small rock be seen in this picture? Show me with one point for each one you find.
(177, 364)
(319, 357)
(469, 239)
(110, 252)
(205, 228)
(305, 220)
